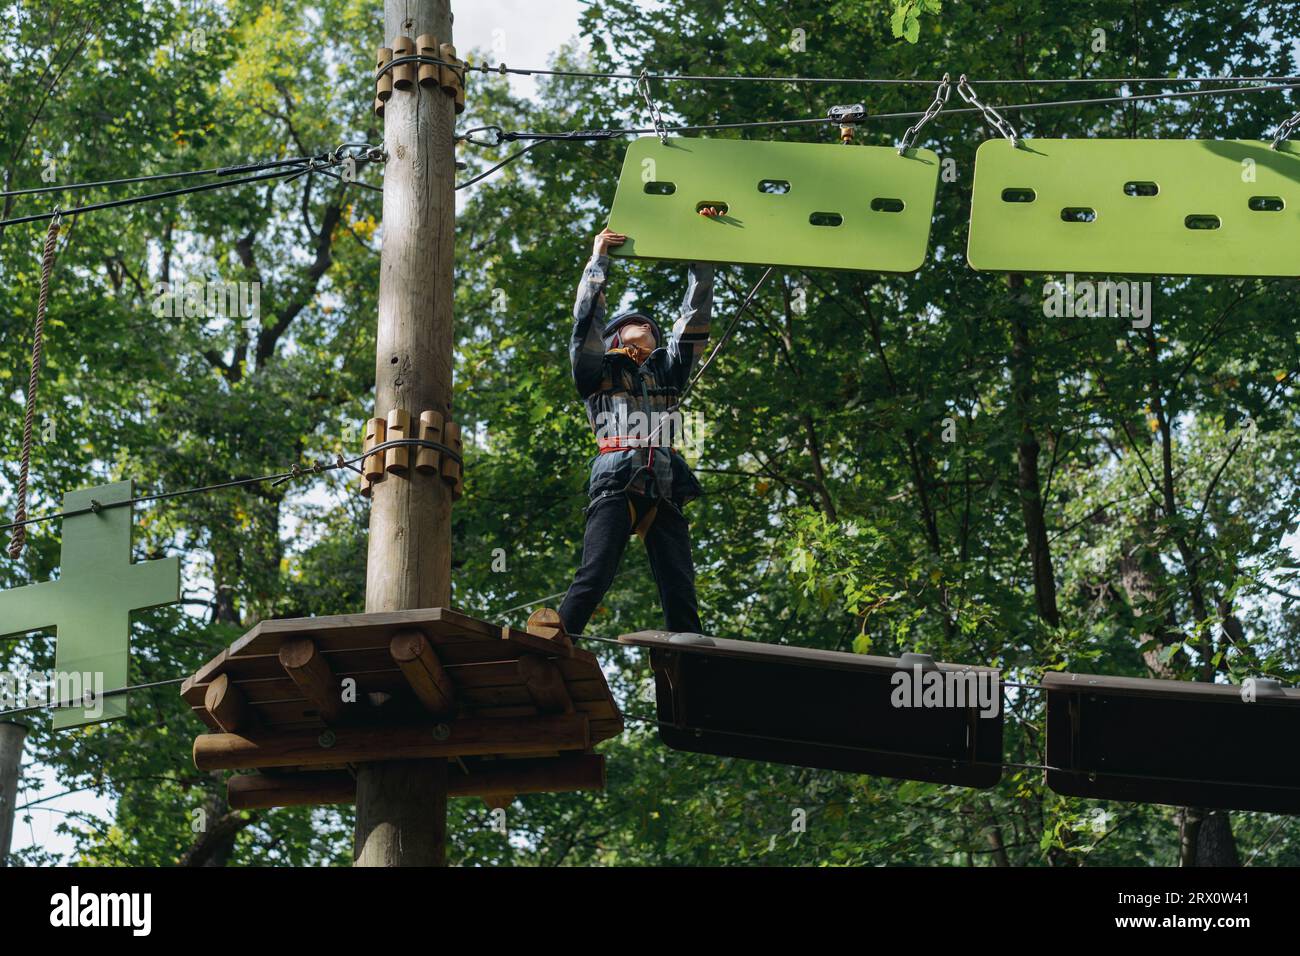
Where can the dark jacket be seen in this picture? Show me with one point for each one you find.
(615, 388)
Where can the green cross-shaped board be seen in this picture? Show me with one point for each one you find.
(90, 603)
(810, 205)
(1159, 207)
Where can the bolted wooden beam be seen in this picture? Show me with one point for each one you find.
(460, 738)
(420, 666)
(307, 668)
(226, 705)
(498, 780)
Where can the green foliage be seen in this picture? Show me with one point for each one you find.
(864, 469)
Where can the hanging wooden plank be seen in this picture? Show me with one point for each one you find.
(810, 205)
(1159, 207)
(827, 709)
(1177, 742)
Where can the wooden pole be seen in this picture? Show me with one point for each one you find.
(401, 817)
(12, 736)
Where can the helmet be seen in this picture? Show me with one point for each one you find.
(610, 333)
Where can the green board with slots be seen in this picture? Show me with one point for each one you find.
(810, 205)
(1158, 207)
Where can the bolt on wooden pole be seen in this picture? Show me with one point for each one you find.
(401, 816)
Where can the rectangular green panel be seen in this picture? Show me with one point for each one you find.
(1140, 194)
(773, 227)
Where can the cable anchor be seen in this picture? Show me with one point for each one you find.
(847, 117)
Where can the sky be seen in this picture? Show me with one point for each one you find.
(525, 33)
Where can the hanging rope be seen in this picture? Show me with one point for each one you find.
(19, 539)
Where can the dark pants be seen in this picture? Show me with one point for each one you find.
(667, 544)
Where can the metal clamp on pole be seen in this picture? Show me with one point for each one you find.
(995, 119)
(643, 85)
(847, 117)
(934, 109)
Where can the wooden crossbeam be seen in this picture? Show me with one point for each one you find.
(257, 791)
(460, 738)
(545, 685)
(306, 667)
(498, 779)
(423, 671)
(227, 706)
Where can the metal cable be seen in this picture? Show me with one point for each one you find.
(502, 69)
(288, 174)
(19, 539)
(297, 471)
(906, 114)
(214, 171)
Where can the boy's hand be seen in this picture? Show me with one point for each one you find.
(711, 211)
(605, 240)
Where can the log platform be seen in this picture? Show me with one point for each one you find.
(303, 700)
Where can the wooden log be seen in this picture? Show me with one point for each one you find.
(423, 672)
(499, 779)
(226, 705)
(428, 460)
(545, 622)
(383, 82)
(448, 77)
(427, 45)
(307, 668)
(545, 685)
(460, 738)
(404, 75)
(498, 801)
(256, 791)
(373, 466)
(397, 461)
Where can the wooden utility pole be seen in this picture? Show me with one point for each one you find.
(401, 815)
(12, 736)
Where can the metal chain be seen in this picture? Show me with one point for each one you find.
(656, 118)
(1284, 130)
(934, 109)
(995, 119)
(19, 538)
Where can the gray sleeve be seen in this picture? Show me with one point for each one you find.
(691, 330)
(586, 348)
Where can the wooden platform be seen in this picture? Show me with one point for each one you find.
(305, 699)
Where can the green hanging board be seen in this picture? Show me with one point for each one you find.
(1144, 206)
(811, 205)
(90, 603)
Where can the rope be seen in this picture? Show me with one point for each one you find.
(19, 539)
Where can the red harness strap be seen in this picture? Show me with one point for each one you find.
(624, 442)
